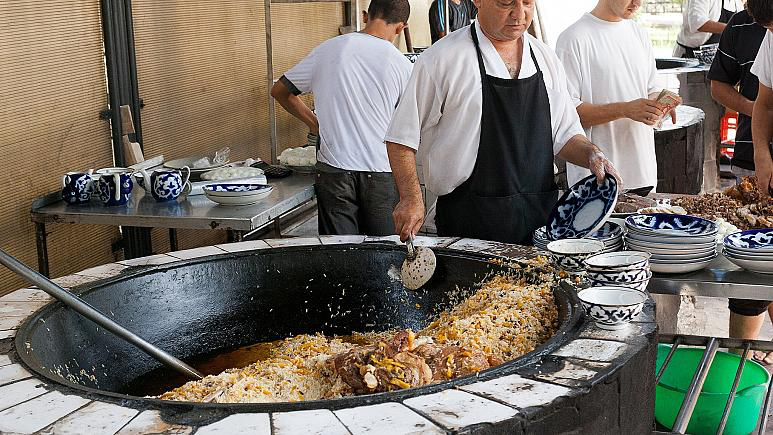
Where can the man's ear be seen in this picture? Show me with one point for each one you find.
(364, 17)
(399, 28)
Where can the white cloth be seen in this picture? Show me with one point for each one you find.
(763, 65)
(357, 80)
(696, 13)
(441, 105)
(612, 62)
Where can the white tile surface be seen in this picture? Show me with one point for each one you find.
(104, 271)
(341, 240)
(19, 309)
(594, 350)
(385, 419)
(456, 409)
(393, 238)
(4, 360)
(434, 242)
(196, 252)
(13, 372)
(571, 372)
(475, 245)
(517, 391)
(255, 424)
(312, 422)
(150, 422)
(243, 246)
(10, 322)
(26, 295)
(7, 334)
(18, 392)
(73, 280)
(150, 260)
(36, 414)
(97, 418)
(293, 241)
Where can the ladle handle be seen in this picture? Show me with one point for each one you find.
(411, 248)
(91, 313)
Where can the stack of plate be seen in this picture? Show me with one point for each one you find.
(678, 244)
(751, 250)
(611, 234)
(626, 268)
(236, 193)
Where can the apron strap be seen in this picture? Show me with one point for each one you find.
(478, 52)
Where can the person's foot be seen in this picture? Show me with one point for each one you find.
(764, 358)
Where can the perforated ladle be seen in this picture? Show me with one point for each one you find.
(418, 267)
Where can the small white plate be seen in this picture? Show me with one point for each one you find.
(635, 235)
(679, 267)
(238, 200)
(748, 256)
(677, 250)
(765, 267)
(683, 257)
(671, 247)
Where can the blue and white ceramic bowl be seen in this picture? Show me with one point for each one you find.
(671, 225)
(751, 241)
(235, 189)
(638, 285)
(620, 277)
(570, 254)
(618, 261)
(612, 307)
(77, 187)
(582, 209)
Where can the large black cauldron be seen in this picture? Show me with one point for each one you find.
(226, 301)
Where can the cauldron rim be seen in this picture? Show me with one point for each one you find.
(567, 303)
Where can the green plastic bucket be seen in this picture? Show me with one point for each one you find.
(670, 391)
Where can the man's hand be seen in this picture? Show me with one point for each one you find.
(643, 110)
(763, 169)
(673, 115)
(600, 167)
(408, 217)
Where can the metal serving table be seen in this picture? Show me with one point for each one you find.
(196, 212)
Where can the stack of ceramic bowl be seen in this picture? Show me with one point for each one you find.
(569, 254)
(236, 193)
(624, 268)
(678, 243)
(611, 234)
(751, 250)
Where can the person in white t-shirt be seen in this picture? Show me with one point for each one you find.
(611, 72)
(702, 23)
(357, 80)
(762, 115)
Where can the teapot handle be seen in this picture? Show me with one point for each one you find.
(187, 176)
(146, 179)
(64, 182)
(117, 179)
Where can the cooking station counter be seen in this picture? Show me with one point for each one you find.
(196, 212)
(720, 279)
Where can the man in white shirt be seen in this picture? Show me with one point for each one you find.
(702, 23)
(357, 80)
(487, 107)
(762, 115)
(611, 71)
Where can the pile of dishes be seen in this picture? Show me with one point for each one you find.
(569, 254)
(611, 234)
(678, 244)
(625, 268)
(236, 193)
(751, 250)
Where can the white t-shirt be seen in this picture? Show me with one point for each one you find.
(442, 104)
(611, 62)
(763, 65)
(357, 80)
(696, 13)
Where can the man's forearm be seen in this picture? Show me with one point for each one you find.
(578, 150)
(295, 106)
(711, 26)
(402, 159)
(729, 97)
(597, 114)
(762, 123)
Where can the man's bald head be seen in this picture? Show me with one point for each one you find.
(505, 20)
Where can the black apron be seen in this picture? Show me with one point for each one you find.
(511, 189)
(724, 17)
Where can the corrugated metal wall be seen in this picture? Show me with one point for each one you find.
(52, 88)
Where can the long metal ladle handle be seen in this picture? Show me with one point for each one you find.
(91, 313)
(411, 248)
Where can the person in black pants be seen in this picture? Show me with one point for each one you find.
(461, 13)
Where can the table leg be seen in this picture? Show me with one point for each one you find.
(137, 242)
(173, 239)
(234, 236)
(42, 244)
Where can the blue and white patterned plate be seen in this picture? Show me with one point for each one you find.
(671, 225)
(235, 189)
(582, 209)
(755, 241)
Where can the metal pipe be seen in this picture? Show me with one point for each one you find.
(91, 313)
(731, 397)
(691, 398)
(662, 370)
(766, 408)
(733, 343)
(447, 18)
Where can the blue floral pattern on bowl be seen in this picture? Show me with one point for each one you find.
(582, 209)
(164, 184)
(671, 225)
(755, 240)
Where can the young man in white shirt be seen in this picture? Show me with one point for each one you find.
(762, 115)
(611, 71)
(702, 23)
(357, 80)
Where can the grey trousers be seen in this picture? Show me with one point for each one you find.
(352, 202)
